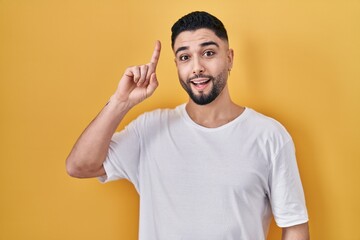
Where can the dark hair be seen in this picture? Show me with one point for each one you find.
(196, 20)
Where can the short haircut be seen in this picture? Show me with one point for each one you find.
(196, 20)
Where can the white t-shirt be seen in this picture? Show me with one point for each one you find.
(198, 183)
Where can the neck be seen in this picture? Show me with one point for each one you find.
(215, 114)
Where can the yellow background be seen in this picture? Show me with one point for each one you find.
(296, 61)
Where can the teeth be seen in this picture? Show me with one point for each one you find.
(199, 82)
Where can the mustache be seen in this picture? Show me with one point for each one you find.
(200, 76)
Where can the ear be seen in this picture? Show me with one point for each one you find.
(230, 57)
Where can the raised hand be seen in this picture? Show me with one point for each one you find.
(139, 82)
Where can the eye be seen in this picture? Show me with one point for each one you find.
(208, 53)
(183, 58)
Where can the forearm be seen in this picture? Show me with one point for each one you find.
(297, 232)
(89, 152)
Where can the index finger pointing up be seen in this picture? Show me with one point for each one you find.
(156, 54)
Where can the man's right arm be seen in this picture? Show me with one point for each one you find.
(89, 152)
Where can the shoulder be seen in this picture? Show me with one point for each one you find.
(262, 120)
(266, 126)
(159, 114)
(157, 118)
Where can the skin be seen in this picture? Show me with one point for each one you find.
(199, 56)
(201, 52)
(297, 232)
(89, 152)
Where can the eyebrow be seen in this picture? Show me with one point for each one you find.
(181, 49)
(204, 44)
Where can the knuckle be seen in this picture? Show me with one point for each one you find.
(151, 67)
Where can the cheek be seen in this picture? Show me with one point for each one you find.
(182, 72)
(216, 67)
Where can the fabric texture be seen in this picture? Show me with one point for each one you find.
(208, 183)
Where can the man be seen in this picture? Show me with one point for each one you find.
(208, 169)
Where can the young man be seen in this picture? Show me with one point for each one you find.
(208, 169)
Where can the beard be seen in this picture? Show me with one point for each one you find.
(201, 98)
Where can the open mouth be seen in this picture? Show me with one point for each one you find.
(200, 82)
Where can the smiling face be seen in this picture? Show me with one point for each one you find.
(203, 61)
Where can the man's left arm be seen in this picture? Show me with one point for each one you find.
(297, 232)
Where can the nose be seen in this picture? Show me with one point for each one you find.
(198, 67)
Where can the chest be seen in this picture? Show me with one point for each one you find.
(192, 160)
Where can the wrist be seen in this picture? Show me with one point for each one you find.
(118, 104)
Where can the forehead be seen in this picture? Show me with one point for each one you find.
(195, 38)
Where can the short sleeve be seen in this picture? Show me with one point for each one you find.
(122, 161)
(286, 191)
